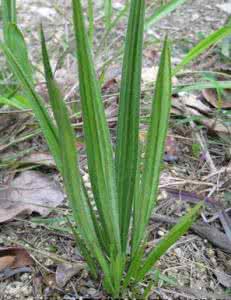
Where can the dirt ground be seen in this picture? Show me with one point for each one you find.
(198, 266)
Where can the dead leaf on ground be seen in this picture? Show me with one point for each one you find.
(211, 96)
(190, 105)
(15, 257)
(14, 260)
(30, 192)
(185, 101)
(65, 272)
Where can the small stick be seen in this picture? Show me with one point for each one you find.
(210, 233)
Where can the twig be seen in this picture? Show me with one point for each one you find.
(210, 233)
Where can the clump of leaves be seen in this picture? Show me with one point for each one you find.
(112, 240)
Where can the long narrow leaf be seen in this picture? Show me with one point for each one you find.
(17, 45)
(8, 15)
(96, 132)
(162, 12)
(173, 235)
(107, 12)
(46, 123)
(155, 147)
(202, 85)
(70, 171)
(72, 180)
(202, 46)
(134, 266)
(90, 10)
(128, 120)
(14, 102)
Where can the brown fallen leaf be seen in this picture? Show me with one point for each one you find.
(6, 262)
(211, 96)
(15, 257)
(185, 101)
(30, 192)
(65, 272)
(14, 260)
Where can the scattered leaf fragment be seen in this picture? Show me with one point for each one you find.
(65, 272)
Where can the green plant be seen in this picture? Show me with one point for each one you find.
(114, 237)
(107, 12)
(9, 14)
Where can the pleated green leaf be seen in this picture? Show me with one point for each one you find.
(126, 156)
(172, 236)
(96, 134)
(207, 42)
(155, 147)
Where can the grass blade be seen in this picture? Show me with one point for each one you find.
(128, 119)
(155, 147)
(173, 235)
(162, 12)
(16, 102)
(96, 132)
(203, 85)
(202, 46)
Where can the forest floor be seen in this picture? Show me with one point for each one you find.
(197, 162)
